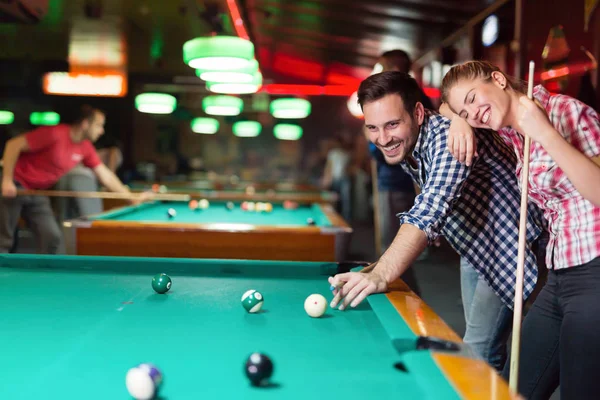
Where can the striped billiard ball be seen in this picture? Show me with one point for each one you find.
(143, 381)
(252, 301)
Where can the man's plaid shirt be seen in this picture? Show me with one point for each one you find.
(475, 208)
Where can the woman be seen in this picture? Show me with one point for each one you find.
(561, 332)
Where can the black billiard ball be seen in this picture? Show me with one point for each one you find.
(229, 205)
(310, 221)
(259, 369)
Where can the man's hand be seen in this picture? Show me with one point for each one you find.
(352, 288)
(9, 189)
(142, 198)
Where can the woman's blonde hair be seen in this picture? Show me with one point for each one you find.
(472, 70)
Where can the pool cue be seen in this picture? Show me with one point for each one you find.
(376, 222)
(518, 308)
(101, 195)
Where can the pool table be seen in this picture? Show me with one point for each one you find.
(72, 326)
(216, 232)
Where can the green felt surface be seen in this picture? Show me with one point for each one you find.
(217, 213)
(72, 327)
(203, 186)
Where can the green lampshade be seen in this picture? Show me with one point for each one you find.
(208, 126)
(222, 105)
(6, 117)
(287, 131)
(155, 103)
(290, 108)
(44, 118)
(247, 128)
(240, 75)
(236, 88)
(218, 53)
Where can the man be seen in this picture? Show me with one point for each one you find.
(476, 208)
(395, 190)
(37, 160)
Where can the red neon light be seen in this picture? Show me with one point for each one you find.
(432, 93)
(238, 22)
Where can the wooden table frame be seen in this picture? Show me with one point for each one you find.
(216, 240)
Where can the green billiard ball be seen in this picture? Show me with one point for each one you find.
(252, 301)
(161, 283)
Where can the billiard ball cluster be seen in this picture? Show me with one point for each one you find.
(156, 188)
(258, 206)
(196, 205)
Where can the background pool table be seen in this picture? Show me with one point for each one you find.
(216, 232)
(72, 326)
(304, 194)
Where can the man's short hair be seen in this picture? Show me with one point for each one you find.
(398, 59)
(87, 112)
(377, 86)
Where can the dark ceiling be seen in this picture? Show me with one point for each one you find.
(315, 41)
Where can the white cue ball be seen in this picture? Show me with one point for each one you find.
(315, 305)
(139, 384)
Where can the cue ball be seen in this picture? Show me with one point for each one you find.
(310, 221)
(171, 213)
(259, 369)
(315, 305)
(143, 381)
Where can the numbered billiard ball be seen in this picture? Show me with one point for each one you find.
(193, 205)
(310, 221)
(143, 381)
(252, 301)
(162, 189)
(161, 283)
(259, 369)
(171, 213)
(229, 206)
(315, 305)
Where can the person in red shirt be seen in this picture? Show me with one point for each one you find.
(561, 332)
(37, 160)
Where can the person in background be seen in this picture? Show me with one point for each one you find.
(336, 176)
(37, 160)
